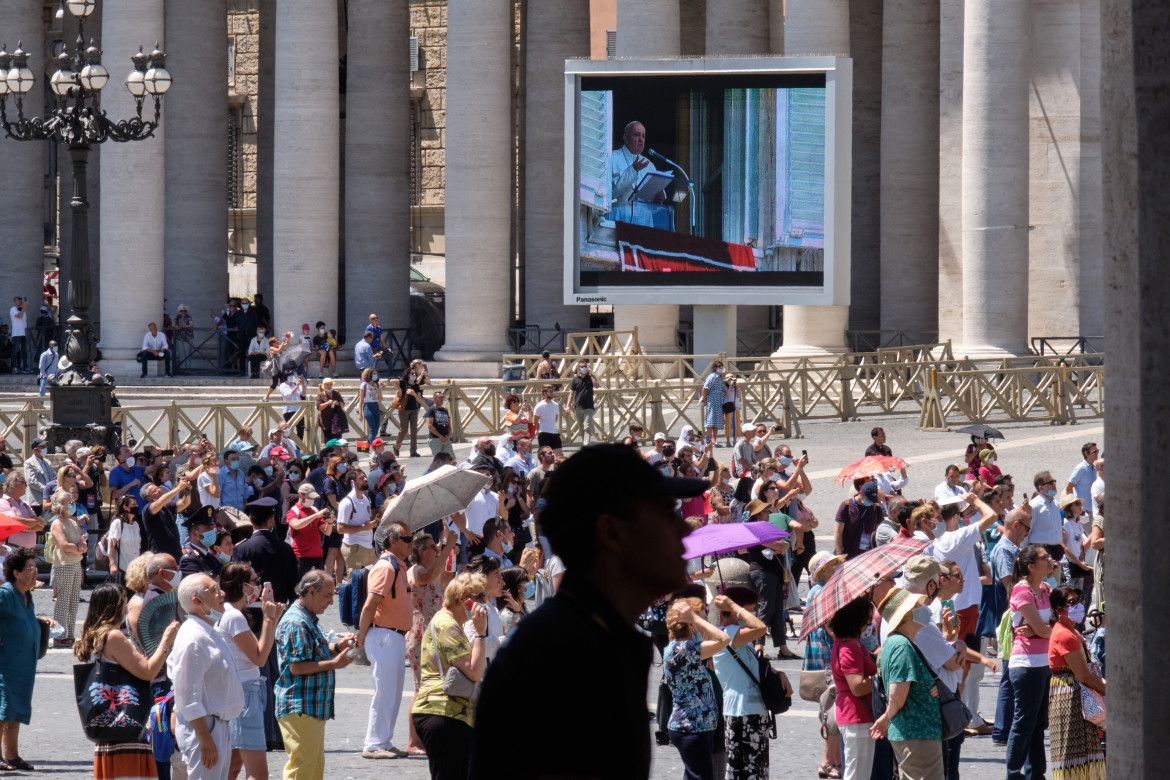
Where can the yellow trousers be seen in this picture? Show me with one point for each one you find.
(304, 740)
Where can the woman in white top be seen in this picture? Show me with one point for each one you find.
(125, 539)
(489, 568)
(208, 481)
(370, 402)
(241, 585)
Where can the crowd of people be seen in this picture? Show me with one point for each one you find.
(257, 540)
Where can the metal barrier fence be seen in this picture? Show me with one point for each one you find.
(661, 392)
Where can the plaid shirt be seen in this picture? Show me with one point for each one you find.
(299, 638)
(818, 651)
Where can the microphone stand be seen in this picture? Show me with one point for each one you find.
(681, 170)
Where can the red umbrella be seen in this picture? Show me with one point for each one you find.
(871, 466)
(854, 577)
(10, 525)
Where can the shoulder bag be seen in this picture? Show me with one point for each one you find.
(813, 683)
(114, 704)
(455, 683)
(767, 679)
(955, 715)
(1092, 703)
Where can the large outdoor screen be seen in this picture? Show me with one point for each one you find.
(714, 181)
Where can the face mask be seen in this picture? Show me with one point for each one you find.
(1076, 613)
(866, 502)
(258, 482)
(71, 509)
(268, 471)
(727, 480)
(785, 460)
(342, 468)
(719, 371)
(507, 548)
(582, 370)
(175, 579)
(207, 539)
(130, 462)
(990, 461)
(234, 465)
(321, 331)
(940, 528)
(224, 557)
(922, 615)
(197, 461)
(260, 334)
(54, 350)
(251, 594)
(374, 377)
(295, 476)
(530, 590)
(1050, 493)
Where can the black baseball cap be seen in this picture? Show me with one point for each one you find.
(603, 476)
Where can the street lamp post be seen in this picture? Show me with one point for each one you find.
(82, 398)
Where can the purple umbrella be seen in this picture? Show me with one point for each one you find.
(725, 537)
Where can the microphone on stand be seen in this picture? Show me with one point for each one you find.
(686, 191)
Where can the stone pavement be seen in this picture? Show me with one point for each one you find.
(55, 744)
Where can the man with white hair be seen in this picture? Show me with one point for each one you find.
(207, 688)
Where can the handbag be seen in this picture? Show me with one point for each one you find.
(776, 700)
(455, 683)
(814, 683)
(43, 643)
(954, 713)
(114, 705)
(1092, 703)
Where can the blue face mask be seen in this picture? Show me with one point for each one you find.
(268, 470)
(224, 557)
(234, 465)
(207, 538)
(71, 509)
(373, 377)
(506, 547)
(866, 502)
(1050, 493)
(785, 460)
(341, 467)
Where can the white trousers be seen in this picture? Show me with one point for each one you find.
(858, 751)
(386, 650)
(193, 755)
(971, 688)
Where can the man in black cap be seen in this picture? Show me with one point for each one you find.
(198, 557)
(274, 561)
(623, 549)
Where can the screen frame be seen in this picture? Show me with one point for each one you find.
(838, 72)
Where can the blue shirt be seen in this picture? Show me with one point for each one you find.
(233, 487)
(1003, 558)
(1082, 479)
(521, 465)
(741, 695)
(363, 355)
(377, 331)
(120, 477)
(299, 638)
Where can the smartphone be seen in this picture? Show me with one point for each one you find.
(805, 454)
(266, 592)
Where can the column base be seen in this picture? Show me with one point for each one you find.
(807, 350)
(468, 362)
(987, 352)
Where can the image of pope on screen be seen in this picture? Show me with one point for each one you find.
(675, 179)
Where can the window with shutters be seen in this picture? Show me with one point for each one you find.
(596, 123)
(610, 44)
(413, 53)
(235, 178)
(802, 202)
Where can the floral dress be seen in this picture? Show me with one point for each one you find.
(695, 710)
(713, 412)
(427, 600)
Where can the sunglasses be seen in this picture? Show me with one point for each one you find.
(407, 539)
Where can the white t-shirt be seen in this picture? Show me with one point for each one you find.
(231, 625)
(1095, 492)
(546, 416)
(129, 539)
(960, 546)
(1075, 533)
(481, 509)
(289, 391)
(19, 324)
(355, 511)
(206, 479)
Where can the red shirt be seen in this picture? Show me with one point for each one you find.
(306, 542)
(849, 657)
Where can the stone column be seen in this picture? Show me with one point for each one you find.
(995, 178)
(1065, 208)
(909, 165)
(556, 32)
(195, 111)
(776, 26)
(1091, 208)
(1136, 162)
(649, 28)
(377, 173)
(133, 190)
(21, 209)
(950, 172)
(265, 149)
(815, 27)
(479, 185)
(865, 278)
(306, 178)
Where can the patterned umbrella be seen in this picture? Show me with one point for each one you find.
(854, 577)
(870, 466)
